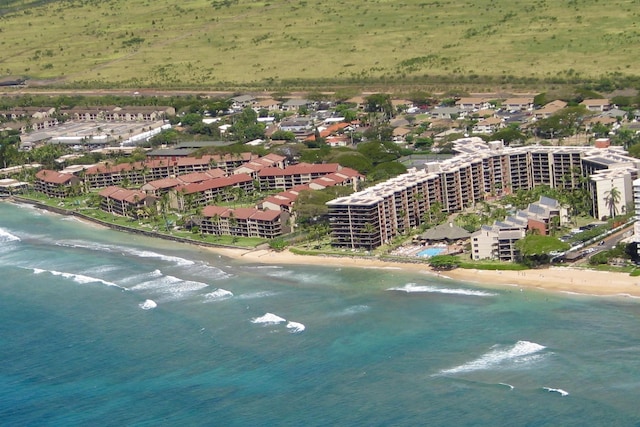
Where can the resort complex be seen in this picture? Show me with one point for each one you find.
(481, 171)
(238, 166)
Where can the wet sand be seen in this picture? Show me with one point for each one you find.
(556, 279)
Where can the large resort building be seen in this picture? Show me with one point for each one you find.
(480, 171)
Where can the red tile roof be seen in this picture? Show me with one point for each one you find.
(202, 176)
(227, 181)
(267, 215)
(301, 169)
(210, 211)
(163, 183)
(54, 177)
(240, 213)
(123, 194)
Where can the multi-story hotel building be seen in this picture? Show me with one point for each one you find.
(374, 216)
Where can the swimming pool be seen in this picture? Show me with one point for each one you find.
(429, 252)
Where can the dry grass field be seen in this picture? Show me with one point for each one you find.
(309, 43)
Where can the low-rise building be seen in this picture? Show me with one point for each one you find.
(242, 222)
(498, 241)
(276, 178)
(56, 184)
(125, 202)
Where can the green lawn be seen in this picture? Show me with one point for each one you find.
(224, 43)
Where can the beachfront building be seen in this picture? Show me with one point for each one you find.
(56, 184)
(10, 186)
(372, 217)
(636, 205)
(494, 242)
(480, 171)
(242, 222)
(124, 202)
(612, 191)
(498, 241)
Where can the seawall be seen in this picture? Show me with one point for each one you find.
(118, 227)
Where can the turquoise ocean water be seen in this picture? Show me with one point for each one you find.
(107, 329)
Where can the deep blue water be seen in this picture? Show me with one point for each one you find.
(103, 328)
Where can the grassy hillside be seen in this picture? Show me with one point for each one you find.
(219, 43)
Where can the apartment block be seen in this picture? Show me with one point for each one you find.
(242, 222)
(479, 171)
(55, 184)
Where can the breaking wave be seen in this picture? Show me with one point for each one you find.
(274, 319)
(522, 352)
(218, 294)
(414, 288)
(295, 327)
(268, 319)
(78, 278)
(556, 390)
(170, 287)
(126, 251)
(148, 304)
(6, 237)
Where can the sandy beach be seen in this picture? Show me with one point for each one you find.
(555, 279)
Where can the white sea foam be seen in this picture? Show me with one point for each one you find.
(218, 294)
(522, 353)
(295, 327)
(507, 385)
(78, 278)
(149, 254)
(36, 210)
(556, 390)
(414, 288)
(170, 287)
(143, 277)
(268, 319)
(126, 251)
(148, 304)
(6, 237)
(209, 272)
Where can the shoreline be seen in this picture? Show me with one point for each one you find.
(567, 280)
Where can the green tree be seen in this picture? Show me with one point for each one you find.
(379, 152)
(379, 103)
(283, 135)
(9, 142)
(444, 262)
(536, 244)
(383, 171)
(612, 198)
(562, 124)
(509, 134)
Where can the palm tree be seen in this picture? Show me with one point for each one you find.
(368, 229)
(164, 207)
(612, 198)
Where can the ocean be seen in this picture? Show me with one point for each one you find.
(103, 328)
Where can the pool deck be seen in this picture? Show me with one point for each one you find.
(413, 250)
